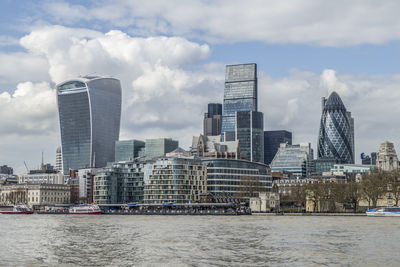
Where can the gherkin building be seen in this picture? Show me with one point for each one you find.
(336, 132)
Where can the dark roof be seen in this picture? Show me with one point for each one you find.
(334, 102)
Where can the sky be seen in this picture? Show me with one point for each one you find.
(170, 57)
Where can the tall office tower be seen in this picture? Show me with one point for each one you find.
(159, 147)
(250, 134)
(127, 149)
(90, 115)
(58, 167)
(240, 94)
(212, 120)
(272, 142)
(336, 133)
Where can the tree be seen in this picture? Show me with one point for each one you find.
(393, 178)
(249, 186)
(353, 194)
(373, 186)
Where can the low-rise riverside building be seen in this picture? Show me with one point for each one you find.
(265, 202)
(35, 194)
(236, 178)
(175, 179)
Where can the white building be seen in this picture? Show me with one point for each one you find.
(59, 166)
(265, 202)
(387, 158)
(41, 178)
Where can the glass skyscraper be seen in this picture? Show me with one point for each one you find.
(212, 120)
(336, 133)
(272, 142)
(250, 134)
(127, 149)
(240, 94)
(90, 114)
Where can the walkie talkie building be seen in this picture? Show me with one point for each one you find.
(90, 114)
(336, 133)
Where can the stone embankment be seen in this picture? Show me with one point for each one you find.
(309, 214)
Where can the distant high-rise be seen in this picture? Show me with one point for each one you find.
(336, 133)
(90, 114)
(159, 147)
(250, 134)
(213, 119)
(58, 167)
(272, 142)
(240, 94)
(127, 149)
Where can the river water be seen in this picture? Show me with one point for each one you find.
(104, 240)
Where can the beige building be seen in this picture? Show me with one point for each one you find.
(265, 202)
(387, 158)
(35, 194)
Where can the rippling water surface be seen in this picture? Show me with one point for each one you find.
(62, 240)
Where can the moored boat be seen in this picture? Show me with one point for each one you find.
(384, 212)
(88, 209)
(15, 209)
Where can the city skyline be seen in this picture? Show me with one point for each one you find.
(46, 47)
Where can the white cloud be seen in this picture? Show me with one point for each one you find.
(334, 23)
(163, 98)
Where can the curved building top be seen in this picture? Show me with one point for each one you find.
(334, 102)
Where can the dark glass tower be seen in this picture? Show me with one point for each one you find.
(272, 142)
(240, 94)
(90, 113)
(336, 133)
(250, 134)
(212, 120)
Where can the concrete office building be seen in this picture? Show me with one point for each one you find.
(272, 142)
(240, 94)
(126, 150)
(212, 120)
(90, 112)
(336, 134)
(44, 177)
(250, 134)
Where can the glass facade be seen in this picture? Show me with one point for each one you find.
(272, 141)
(159, 147)
(90, 113)
(225, 176)
(126, 150)
(240, 94)
(336, 134)
(295, 159)
(250, 134)
(212, 120)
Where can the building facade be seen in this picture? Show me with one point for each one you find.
(272, 142)
(49, 177)
(213, 120)
(176, 180)
(336, 133)
(126, 150)
(90, 113)
(240, 94)
(294, 159)
(387, 158)
(121, 183)
(35, 194)
(250, 134)
(58, 167)
(236, 178)
(213, 147)
(159, 147)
